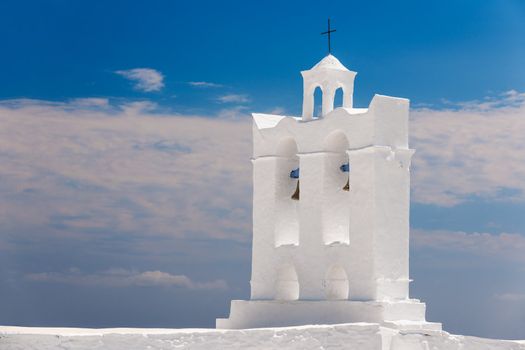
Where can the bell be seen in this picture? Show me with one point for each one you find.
(295, 196)
(347, 186)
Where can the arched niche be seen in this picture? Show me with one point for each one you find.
(336, 283)
(336, 180)
(336, 142)
(286, 209)
(287, 283)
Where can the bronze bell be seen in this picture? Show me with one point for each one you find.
(295, 196)
(347, 186)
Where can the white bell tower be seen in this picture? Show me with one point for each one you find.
(331, 213)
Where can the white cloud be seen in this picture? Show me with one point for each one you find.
(91, 169)
(145, 79)
(512, 297)
(511, 98)
(90, 102)
(94, 165)
(123, 168)
(124, 278)
(233, 98)
(237, 112)
(204, 84)
(507, 246)
(473, 149)
(278, 110)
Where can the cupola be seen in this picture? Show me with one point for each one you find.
(329, 75)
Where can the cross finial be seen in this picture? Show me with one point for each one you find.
(328, 33)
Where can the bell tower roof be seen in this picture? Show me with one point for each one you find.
(330, 62)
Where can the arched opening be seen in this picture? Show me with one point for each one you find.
(286, 186)
(338, 98)
(318, 102)
(336, 185)
(287, 283)
(336, 284)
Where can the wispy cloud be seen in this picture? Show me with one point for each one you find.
(204, 84)
(90, 102)
(512, 297)
(145, 79)
(124, 278)
(92, 164)
(506, 246)
(158, 185)
(123, 168)
(474, 148)
(233, 113)
(511, 98)
(278, 110)
(233, 98)
(168, 174)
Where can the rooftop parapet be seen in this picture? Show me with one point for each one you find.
(384, 123)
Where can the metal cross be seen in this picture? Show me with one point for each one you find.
(328, 33)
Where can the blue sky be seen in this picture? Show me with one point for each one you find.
(119, 118)
(429, 51)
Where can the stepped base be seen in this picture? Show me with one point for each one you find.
(406, 314)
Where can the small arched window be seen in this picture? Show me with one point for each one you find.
(318, 102)
(338, 98)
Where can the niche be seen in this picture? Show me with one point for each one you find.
(287, 283)
(286, 208)
(336, 190)
(336, 283)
